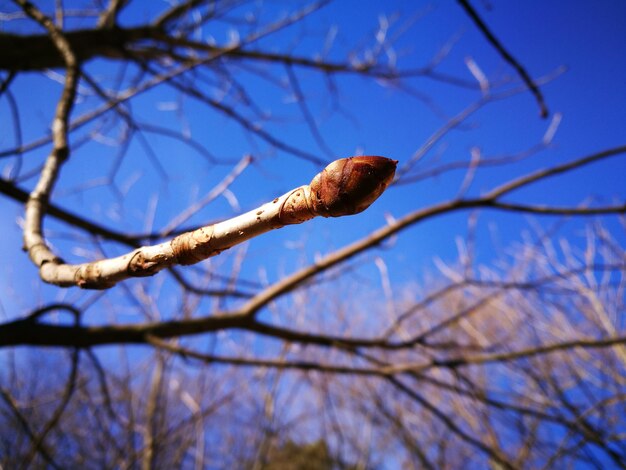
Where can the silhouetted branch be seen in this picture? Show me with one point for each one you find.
(506, 56)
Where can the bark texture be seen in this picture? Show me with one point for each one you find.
(345, 187)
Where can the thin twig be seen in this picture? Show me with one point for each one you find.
(219, 189)
(506, 56)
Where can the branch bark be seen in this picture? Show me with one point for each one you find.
(345, 187)
(39, 52)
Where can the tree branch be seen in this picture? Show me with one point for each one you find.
(543, 110)
(34, 241)
(346, 186)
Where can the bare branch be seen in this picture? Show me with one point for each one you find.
(24, 424)
(34, 242)
(345, 187)
(556, 170)
(506, 56)
(589, 343)
(175, 12)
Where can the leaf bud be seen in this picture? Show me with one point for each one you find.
(350, 185)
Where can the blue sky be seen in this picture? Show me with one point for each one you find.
(585, 37)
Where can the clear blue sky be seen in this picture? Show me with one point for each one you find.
(587, 37)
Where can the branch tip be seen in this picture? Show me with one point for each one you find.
(350, 185)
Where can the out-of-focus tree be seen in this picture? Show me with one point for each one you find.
(516, 361)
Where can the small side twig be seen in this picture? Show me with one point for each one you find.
(534, 89)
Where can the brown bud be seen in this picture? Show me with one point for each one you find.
(350, 185)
